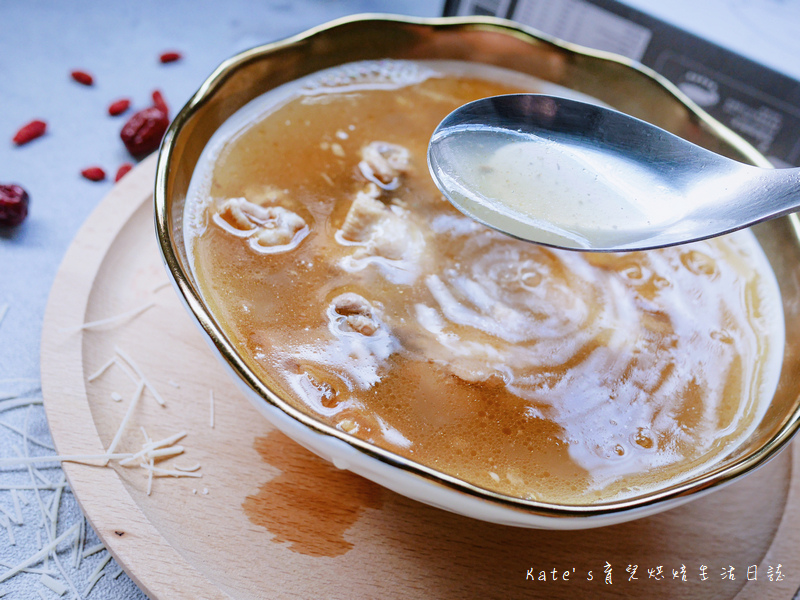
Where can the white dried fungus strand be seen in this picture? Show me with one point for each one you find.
(109, 363)
(211, 407)
(57, 587)
(93, 550)
(17, 507)
(6, 522)
(194, 467)
(54, 576)
(80, 543)
(32, 570)
(149, 446)
(100, 566)
(157, 471)
(23, 499)
(56, 505)
(122, 426)
(138, 371)
(56, 539)
(11, 518)
(160, 287)
(101, 370)
(147, 455)
(41, 554)
(116, 319)
(44, 515)
(13, 402)
(150, 461)
(88, 459)
(31, 439)
(18, 390)
(151, 451)
(96, 575)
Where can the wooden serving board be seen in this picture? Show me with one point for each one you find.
(278, 522)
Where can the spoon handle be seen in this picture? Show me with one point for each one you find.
(772, 193)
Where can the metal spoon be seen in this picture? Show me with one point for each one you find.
(573, 175)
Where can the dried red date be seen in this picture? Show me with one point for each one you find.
(123, 170)
(82, 77)
(168, 57)
(144, 130)
(118, 107)
(13, 205)
(29, 132)
(94, 174)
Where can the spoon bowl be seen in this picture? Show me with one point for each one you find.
(579, 176)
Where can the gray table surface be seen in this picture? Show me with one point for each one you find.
(119, 43)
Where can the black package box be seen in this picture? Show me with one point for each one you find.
(759, 103)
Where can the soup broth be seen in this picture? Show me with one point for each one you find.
(347, 281)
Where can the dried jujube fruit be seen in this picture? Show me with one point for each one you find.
(144, 130)
(13, 205)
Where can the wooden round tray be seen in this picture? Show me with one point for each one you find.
(269, 520)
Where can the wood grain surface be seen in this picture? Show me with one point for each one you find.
(269, 520)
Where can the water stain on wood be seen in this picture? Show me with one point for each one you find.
(311, 504)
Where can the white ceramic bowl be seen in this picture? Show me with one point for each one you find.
(610, 79)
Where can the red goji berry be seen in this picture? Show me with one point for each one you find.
(118, 107)
(29, 132)
(82, 77)
(123, 170)
(94, 174)
(144, 130)
(159, 102)
(168, 57)
(13, 205)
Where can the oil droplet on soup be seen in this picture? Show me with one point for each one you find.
(351, 286)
